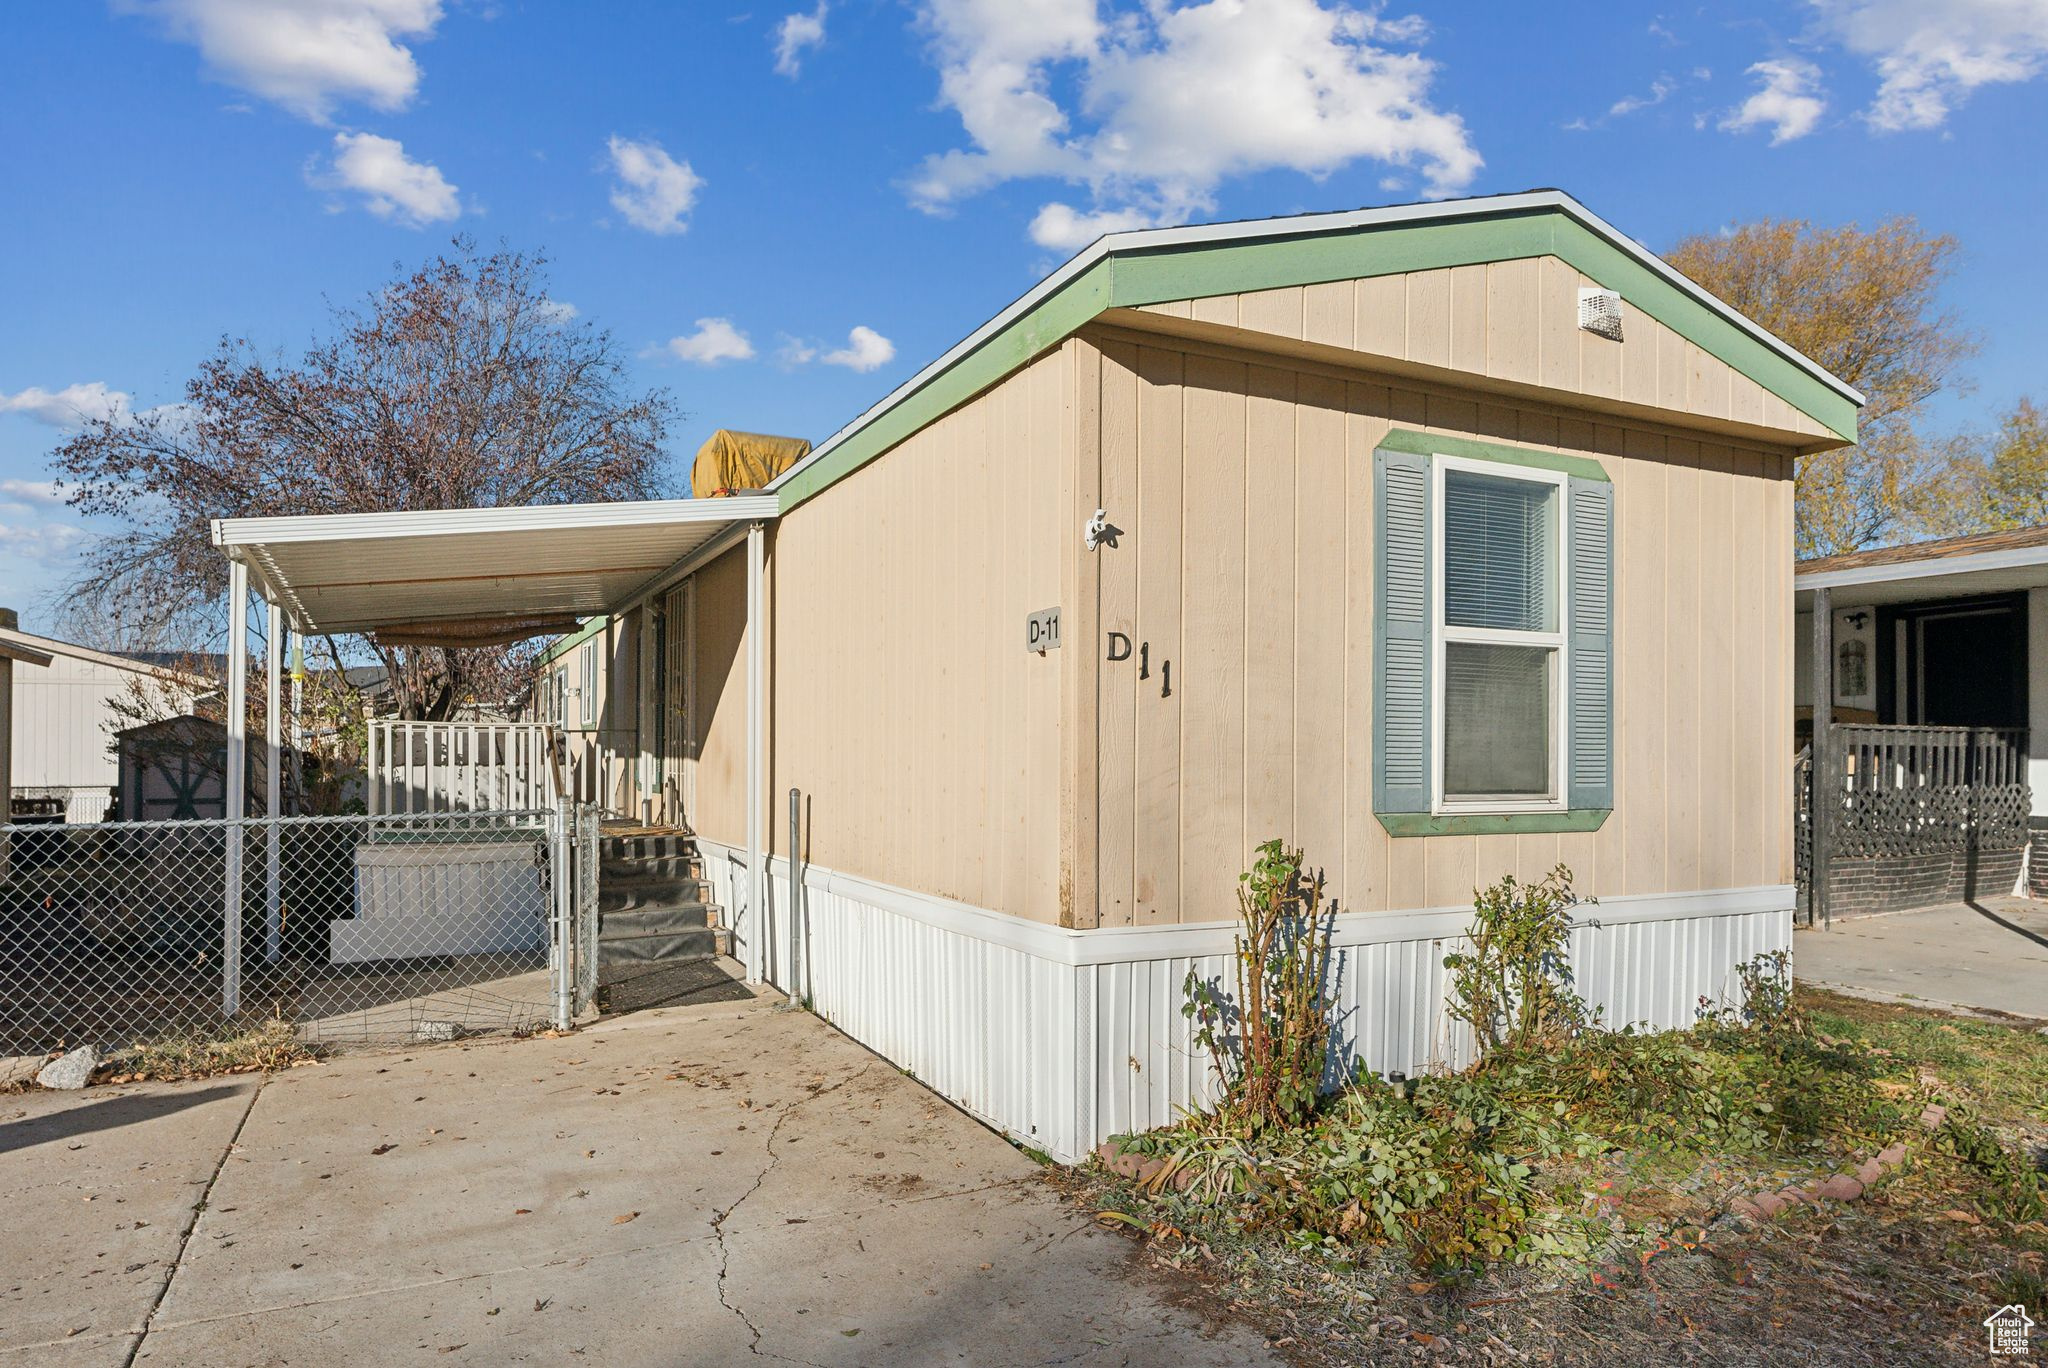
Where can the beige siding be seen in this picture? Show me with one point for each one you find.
(1515, 322)
(720, 727)
(1244, 491)
(926, 739)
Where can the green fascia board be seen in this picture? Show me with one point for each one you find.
(1427, 444)
(1159, 275)
(1493, 823)
(1164, 274)
(1055, 319)
(565, 644)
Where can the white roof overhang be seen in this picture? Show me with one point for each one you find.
(2002, 571)
(357, 572)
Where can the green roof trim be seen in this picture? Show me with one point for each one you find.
(1038, 330)
(563, 645)
(1429, 444)
(1494, 824)
(1138, 275)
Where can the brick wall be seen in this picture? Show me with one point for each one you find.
(1858, 888)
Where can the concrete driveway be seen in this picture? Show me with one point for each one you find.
(698, 1186)
(1988, 956)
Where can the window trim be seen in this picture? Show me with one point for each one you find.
(1442, 634)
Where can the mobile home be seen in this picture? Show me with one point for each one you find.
(1445, 541)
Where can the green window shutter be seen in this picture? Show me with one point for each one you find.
(1401, 633)
(1591, 590)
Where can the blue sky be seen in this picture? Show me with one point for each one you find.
(845, 189)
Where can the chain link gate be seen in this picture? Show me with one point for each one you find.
(349, 930)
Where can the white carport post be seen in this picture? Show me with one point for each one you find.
(273, 781)
(758, 963)
(235, 785)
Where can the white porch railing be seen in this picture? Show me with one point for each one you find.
(427, 767)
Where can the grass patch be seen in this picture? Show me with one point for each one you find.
(1575, 1206)
(1573, 1196)
(270, 1047)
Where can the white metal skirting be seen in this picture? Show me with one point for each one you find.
(1065, 1038)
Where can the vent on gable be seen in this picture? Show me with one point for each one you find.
(1600, 313)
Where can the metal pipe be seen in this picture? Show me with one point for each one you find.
(273, 781)
(235, 785)
(1827, 776)
(759, 965)
(800, 930)
(561, 880)
(298, 724)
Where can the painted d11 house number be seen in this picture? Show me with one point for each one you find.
(1042, 630)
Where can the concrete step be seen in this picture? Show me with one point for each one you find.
(694, 942)
(676, 983)
(650, 867)
(657, 845)
(653, 921)
(624, 894)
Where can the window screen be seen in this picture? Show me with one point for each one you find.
(1500, 553)
(1497, 720)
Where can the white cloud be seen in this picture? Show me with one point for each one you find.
(865, 350)
(1152, 110)
(794, 35)
(70, 408)
(557, 311)
(41, 543)
(305, 55)
(44, 492)
(393, 186)
(1931, 54)
(795, 351)
(1065, 228)
(1788, 100)
(715, 340)
(654, 191)
(1660, 91)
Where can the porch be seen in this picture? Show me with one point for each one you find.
(412, 579)
(1922, 702)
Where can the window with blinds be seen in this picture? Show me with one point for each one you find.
(1500, 552)
(1500, 638)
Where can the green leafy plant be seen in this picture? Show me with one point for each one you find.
(1513, 985)
(1764, 998)
(1269, 1037)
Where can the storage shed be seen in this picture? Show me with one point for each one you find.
(1445, 541)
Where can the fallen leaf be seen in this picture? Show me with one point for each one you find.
(522, 1211)
(385, 1149)
(621, 1220)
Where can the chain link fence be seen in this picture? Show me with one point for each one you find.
(351, 930)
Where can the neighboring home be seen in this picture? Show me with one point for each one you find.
(13, 651)
(1939, 708)
(65, 717)
(1446, 541)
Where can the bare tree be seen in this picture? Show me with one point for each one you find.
(459, 385)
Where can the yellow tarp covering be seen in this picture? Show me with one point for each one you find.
(732, 461)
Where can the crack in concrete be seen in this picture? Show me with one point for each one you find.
(718, 1221)
(163, 1290)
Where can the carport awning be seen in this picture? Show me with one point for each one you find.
(356, 572)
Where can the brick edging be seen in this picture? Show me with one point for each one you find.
(1837, 1187)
